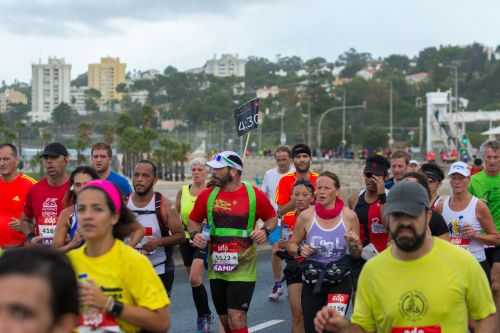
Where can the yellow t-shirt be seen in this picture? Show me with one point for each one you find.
(437, 292)
(124, 274)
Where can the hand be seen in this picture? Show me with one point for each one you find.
(469, 232)
(258, 236)
(92, 295)
(150, 246)
(282, 245)
(37, 240)
(199, 241)
(75, 241)
(306, 251)
(379, 180)
(20, 225)
(327, 319)
(353, 240)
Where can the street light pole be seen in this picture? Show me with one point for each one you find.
(344, 107)
(391, 138)
(343, 120)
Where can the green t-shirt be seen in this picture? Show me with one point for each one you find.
(487, 188)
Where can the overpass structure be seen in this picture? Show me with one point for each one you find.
(446, 129)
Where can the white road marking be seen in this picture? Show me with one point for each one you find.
(264, 325)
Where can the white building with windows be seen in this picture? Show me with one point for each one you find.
(227, 65)
(50, 87)
(140, 96)
(78, 98)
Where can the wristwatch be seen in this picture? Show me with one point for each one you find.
(116, 309)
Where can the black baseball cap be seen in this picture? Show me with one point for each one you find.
(54, 149)
(432, 171)
(377, 165)
(301, 148)
(408, 198)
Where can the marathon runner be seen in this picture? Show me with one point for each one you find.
(194, 258)
(485, 185)
(329, 231)
(119, 288)
(301, 155)
(45, 200)
(399, 165)
(282, 156)
(419, 284)
(435, 177)
(231, 208)
(14, 187)
(303, 194)
(101, 156)
(161, 222)
(469, 221)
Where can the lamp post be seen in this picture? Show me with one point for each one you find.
(344, 108)
(391, 137)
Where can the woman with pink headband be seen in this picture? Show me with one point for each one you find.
(119, 289)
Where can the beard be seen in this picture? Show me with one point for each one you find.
(408, 243)
(220, 182)
(145, 191)
(302, 169)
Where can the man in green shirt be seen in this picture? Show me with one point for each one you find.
(486, 186)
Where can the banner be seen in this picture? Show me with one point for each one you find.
(246, 117)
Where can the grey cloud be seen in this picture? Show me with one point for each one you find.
(66, 17)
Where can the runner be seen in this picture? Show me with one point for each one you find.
(101, 156)
(194, 258)
(394, 291)
(399, 164)
(282, 156)
(469, 221)
(437, 224)
(329, 230)
(119, 289)
(435, 177)
(38, 291)
(161, 222)
(368, 206)
(413, 166)
(45, 199)
(231, 208)
(301, 155)
(14, 187)
(485, 185)
(66, 235)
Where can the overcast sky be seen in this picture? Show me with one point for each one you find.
(185, 33)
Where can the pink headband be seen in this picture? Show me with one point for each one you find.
(111, 192)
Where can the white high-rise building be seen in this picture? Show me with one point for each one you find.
(50, 87)
(227, 65)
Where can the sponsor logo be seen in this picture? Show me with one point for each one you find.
(413, 305)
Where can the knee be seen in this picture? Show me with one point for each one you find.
(195, 281)
(495, 278)
(237, 319)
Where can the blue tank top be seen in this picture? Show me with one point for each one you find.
(329, 244)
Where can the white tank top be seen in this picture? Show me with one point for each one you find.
(456, 220)
(146, 216)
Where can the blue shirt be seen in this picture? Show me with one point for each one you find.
(121, 182)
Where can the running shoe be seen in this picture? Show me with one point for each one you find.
(276, 292)
(204, 324)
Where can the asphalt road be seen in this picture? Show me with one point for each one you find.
(264, 316)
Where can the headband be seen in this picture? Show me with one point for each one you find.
(110, 190)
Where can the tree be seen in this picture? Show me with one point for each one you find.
(83, 141)
(91, 105)
(93, 93)
(63, 115)
(121, 88)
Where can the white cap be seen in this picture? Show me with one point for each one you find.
(226, 159)
(414, 162)
(459, 167)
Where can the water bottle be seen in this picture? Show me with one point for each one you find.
(91, 316)
(205, 231)
(285, 232)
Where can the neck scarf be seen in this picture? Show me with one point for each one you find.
(329, 213)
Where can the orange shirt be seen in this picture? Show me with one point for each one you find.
(284, 192)
(12, 199)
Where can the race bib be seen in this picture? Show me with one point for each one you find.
(461, 242)
(422, 329)
(378, 228)
(338, 302)
(47, 231)
(97, 322)
(225, 257)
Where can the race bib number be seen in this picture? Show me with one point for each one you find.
(422, 329)
(338, 302)
(378, 228)
(47, 231)
(225, 257)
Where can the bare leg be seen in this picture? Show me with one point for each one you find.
(294, 294)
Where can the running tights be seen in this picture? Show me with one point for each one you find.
(200, 299)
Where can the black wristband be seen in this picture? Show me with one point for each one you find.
(30, 236)
(116, 309)
(382, 198)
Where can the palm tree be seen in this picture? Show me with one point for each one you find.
(84, 132)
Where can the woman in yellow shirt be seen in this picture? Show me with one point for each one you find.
(119, 289)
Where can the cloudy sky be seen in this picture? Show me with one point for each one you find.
(185, 33)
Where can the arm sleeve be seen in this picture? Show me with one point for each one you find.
(145, 286)
(199, 211)
(265, 210)
(478, 293)
(363, 314)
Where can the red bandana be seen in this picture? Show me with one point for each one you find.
(328, 214)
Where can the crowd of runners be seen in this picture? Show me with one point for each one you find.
(87, 251)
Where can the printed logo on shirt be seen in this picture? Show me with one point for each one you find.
(422, 329)
(223, 205)
(49, 211)
(16, 198)
(413, 305)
